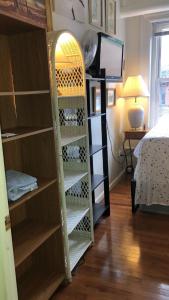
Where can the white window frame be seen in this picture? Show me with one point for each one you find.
(155, 67)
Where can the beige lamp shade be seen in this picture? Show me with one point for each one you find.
(135, 87)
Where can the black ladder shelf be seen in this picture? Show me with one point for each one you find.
(102, 208)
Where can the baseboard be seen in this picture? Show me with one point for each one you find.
(116, 180)
(111, 185)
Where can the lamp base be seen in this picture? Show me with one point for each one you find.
(136, 116)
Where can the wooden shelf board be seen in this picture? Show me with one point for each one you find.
(22, 93)
(96, 148)
(28, 236)
(23, 132)
(15, 23)
(97, 180)
(98, 211)
(42, 185)
(38, 285)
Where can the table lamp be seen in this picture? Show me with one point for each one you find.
(135, 87)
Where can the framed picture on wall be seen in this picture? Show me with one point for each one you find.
(96, 13)
(111, 97)
(111, 17)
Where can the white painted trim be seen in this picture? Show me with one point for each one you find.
(100, 198)
(114, 182)
(158, 17)
(132, 8)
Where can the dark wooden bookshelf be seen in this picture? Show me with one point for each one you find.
(42, 185)
(26, 118)
(29, 236)
(102, 208)
(99, 209)
(97, 179)
(96, 148)
(95, 114)
(20, 133)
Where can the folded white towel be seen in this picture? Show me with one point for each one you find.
(19, 183)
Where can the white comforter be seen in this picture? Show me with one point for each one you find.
(152, 170)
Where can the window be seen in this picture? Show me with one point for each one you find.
(160, 72)
(164, 69)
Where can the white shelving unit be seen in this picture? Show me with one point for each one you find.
(74, 216)
(66, 140)
(72, 177)
(78, 244)
(70, 112)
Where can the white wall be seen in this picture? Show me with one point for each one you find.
(138, 49)
(138, 40)
(138, 44)
(61, 22)
(115, 115)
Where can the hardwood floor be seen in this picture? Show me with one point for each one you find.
(130, 257)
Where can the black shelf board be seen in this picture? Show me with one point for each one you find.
(96, 148)
(95, 115)
(109, 79)
(95, 79)
(99, 209)
(97, 180)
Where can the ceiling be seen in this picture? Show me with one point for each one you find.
(130, 8)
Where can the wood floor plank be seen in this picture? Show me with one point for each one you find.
(130, 257)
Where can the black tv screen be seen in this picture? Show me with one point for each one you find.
(109, 56)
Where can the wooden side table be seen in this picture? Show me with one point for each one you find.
(128, 136)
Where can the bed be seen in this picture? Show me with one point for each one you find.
(151, 177)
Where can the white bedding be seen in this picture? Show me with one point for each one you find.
(152, 170)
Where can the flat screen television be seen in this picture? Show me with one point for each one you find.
(109, 56)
